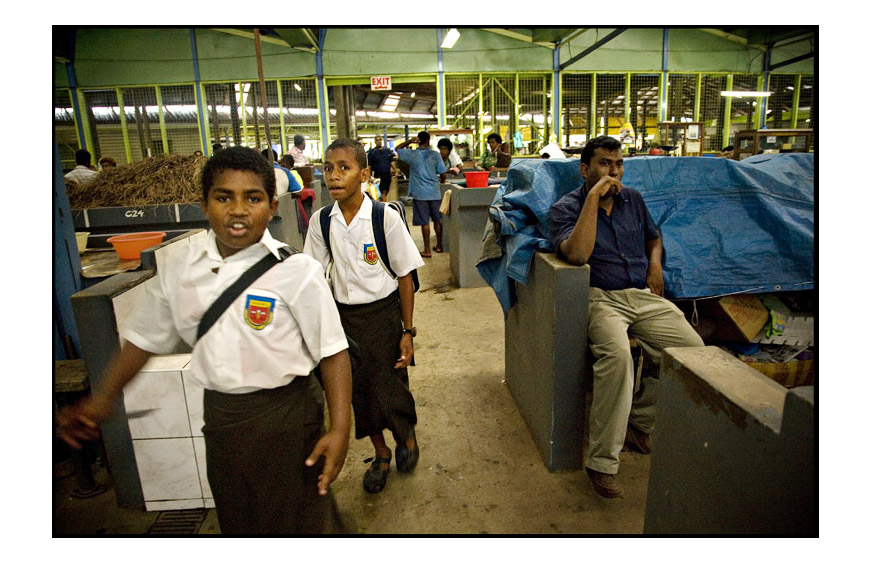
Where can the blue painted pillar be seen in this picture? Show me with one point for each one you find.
(77, 110)
(322, 89)
(662, 103)
(67, 267)
(766, 86)
(556, 94)
(205, 146)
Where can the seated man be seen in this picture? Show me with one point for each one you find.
(498, 155)
(83, 173)
(607, 225)
(285, 180)
(451, 161)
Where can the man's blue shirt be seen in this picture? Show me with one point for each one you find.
(619, 258)
(425, 166)
(380, 160)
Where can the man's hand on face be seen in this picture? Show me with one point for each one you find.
(606, 186)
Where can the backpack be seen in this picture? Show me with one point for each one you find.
(378, 224)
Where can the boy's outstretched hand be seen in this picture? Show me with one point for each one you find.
(333, 446)
(80, 422)
(407, 350)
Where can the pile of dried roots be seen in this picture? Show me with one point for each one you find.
(154, 181)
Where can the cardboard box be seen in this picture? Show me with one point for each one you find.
(738, 317)
(790, 374)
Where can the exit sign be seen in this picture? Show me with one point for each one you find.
(380, 83)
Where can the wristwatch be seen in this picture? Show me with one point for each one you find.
(411, 331)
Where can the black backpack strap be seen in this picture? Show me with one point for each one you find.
(245, 280)
(378, 221)
(324, 220)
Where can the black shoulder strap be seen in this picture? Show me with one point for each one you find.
(324, 220)
(378, 221)
(245, 280)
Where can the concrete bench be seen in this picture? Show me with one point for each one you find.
(546, 344)
(734, 450)
(464, 230)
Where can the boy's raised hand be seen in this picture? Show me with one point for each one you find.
(333, 446)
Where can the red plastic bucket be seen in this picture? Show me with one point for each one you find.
(477, 179)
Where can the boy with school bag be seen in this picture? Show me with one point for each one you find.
(372, 281)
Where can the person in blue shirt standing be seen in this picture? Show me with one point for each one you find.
(606, 225)
(425, 167)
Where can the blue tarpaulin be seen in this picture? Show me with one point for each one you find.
(726, 226)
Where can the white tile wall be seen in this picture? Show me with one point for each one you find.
(168, 442)
(200, 454)
(160, 393)
(168, 469)
(188, 504)
(194, 398)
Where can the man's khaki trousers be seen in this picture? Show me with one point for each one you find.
(656, 323)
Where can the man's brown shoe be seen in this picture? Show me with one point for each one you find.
(638, 440)
(605, 484)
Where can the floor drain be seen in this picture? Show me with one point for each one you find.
(179, 522)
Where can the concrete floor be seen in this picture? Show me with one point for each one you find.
(479, 470)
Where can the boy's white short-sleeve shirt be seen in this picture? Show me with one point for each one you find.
(278, 328)
(357, 274)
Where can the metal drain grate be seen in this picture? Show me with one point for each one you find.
(178, 522)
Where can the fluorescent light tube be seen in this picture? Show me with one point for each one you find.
(450, 39)
(744, 94)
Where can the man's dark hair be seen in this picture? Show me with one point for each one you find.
(358, 148)
(216, 147)
(728, 148)
(237, 158)
(266, 154)
(424, 137)
(445, 143)
(496, 137)
(83, 157)
(602, 142)
(299, 139)
(287, 161)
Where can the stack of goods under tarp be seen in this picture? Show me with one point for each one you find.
(772, 332)
(154, 181)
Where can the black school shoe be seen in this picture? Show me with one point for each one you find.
(377, 476)
(406, 458)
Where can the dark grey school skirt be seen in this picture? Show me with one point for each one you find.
(381, 398)
(256, 445)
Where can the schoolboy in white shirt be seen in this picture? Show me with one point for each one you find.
(376, 309)
(262, 412)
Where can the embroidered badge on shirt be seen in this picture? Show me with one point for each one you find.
(370, 255)
(259, 311)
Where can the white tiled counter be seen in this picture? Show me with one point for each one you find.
(156, 460)
(167, 438)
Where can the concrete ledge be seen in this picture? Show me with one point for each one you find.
(734, 452)
(466, 228)
(546, 336)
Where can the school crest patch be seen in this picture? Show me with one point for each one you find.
(370, 255)
(259, 311)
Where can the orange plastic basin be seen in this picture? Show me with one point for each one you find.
(128, 247)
